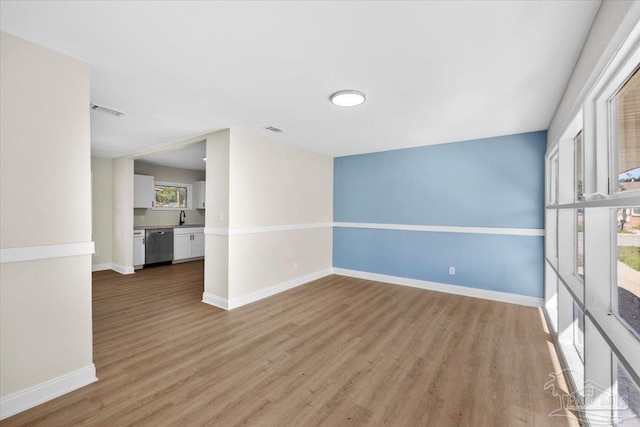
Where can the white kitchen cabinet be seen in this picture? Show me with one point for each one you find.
(188, 243)
(197, 245)
(138, 248)
(181, 246)
(143, 191)
(200, 194)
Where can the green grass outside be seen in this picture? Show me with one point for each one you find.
(630, 255)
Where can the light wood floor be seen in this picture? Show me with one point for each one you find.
(338, 351)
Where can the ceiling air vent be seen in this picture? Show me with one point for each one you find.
(106, 110)
(273, 129)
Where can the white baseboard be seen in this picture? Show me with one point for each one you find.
(122, 270)
(115, 267)
(215, 300)
(230, 304)
(276, 289)
(43, 392)
(101, 267)
(443, 287)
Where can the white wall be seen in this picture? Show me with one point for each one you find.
(263, 260)
(273, 184)
(122, 241)
(216, 255)
(268, 217)
(268, 220)
(163, 173)
(276, 184)
(102, 211)
(37, 169)
(45, 182)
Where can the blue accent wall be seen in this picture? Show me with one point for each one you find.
(492, 182)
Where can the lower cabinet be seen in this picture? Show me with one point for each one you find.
(138, 248)
(188, 243)
(197, 245)
(181, 246)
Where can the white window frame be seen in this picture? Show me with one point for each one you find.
(606, 338)
(602, 244)
(577, 331)
(189, 188)
(552, 178)
(578, 197)
(606, 89)
(576, 238)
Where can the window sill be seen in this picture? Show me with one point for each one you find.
(574, 285)
(171, 209)
(575, 364)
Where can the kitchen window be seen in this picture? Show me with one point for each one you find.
(172, 196)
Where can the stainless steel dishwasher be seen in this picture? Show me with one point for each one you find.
(158, 246)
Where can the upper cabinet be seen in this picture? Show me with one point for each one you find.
(200, 194)
(143, 191)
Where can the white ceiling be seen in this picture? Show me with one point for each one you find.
(432, 71)
(186, 158)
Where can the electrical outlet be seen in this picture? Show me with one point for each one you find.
(295, 265)
(452, 271)
(97, 253)
(221, 216)
(141, 217)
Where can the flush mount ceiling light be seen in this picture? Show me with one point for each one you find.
(348, 98)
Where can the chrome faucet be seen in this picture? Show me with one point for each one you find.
(183, 217)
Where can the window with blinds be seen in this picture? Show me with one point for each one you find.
(626, 119)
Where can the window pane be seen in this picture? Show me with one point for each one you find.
(578, 330)
(627, 403)
(626, 116)
(580, 243)
(579, 178)
(171, 196)
(628, 268)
